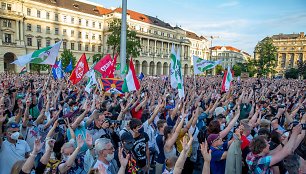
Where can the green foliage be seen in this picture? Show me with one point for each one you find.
(39, 67)
(302, 69)
(133, 46)
(219, 69)
(247, 67)
(266, 60)
(292, 73)
(66, 56)
(97, 57)
(237, 69)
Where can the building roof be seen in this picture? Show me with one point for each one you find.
(229, 48)
(286, 36)
(144, 18)
(192, 35)
(75, 6)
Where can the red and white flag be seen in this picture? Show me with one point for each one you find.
(113, 67)
(104, 66)
(227, 79)
(80, 70)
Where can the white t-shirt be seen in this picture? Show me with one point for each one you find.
(10, 153)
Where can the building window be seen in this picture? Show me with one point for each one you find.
(80, 21)
(7, 38)
(72, 33)
(3, 6)
(86, 23)
(7, 23)
(93, 36)
(9, 7)
(64, 32)
(38, 13)
(48, 30)
(38, 43)
(39, 28)
(80, 47)
(100, 25)
(100, 37)
(72, 46)
(29, 27)
(56, 17)
(64, 45)
(86, 47)
(48, 43)
(29, 41)
(93, 25)
(56, 31)
(72, 20)
(47, 15)
(29, 12)
(86, 36)
(93, 47)
(80, 34)
(99, 48)
(65, 18)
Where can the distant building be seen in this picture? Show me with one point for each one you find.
(291, 48)
(229, 55)
(199, 45)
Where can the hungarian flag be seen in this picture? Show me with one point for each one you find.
(104, 66)
(45, 55)
(227, 78)
(23, 70)
(113, 67)
(112, 85)
(131, 82)
(80, 70)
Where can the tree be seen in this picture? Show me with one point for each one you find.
(237, 69)
(66, 56)
(301, 68)
(292, 73)
(133, 46)
(97, 57)
(39, 67)
(219, 69)
(266, 60)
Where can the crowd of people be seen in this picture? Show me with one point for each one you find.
(52, 126)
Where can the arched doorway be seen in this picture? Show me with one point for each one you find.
(145, 67)
(159, 68)
(151, 68)
(8, 58)
(165, 69)
(185, 69)
(137, 66)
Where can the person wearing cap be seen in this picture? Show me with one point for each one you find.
(12, 149)
(127, 142)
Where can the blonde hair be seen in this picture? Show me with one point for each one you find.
(17, 166)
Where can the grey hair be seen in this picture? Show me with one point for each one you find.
(292, 164)
(100, 144)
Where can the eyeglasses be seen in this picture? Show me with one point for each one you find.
(112, 148)
(218, 138)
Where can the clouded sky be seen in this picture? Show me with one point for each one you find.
(239, 23)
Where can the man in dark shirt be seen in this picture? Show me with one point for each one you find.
(160, 160)
(141, 148)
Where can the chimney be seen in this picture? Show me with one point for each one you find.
(302, 34)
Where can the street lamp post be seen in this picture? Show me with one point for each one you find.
(123, 38)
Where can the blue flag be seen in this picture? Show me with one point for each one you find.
(69, 68)
(57, 70)
(141, 76)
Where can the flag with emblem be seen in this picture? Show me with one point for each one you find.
(201, 65)
(131, 82)
(80, 70)
(179, 77)
(112, 85)
(91, 80)
(57, 71)
(227, 79)
(173, 77)
(45, 55)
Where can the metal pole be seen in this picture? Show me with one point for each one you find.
(123, 38)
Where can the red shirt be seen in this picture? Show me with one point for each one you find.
(245, 142)
(137, 114)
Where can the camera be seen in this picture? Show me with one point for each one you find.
(61, 121)
(294, 123)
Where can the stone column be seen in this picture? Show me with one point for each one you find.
(148, 47)
(140, 66)
(182, 52)
(154, 47)
(168, 50)
(17, 31)
(22, 33)
(162, 50)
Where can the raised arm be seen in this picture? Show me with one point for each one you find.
(80, 118)
(231, 124)
(173, 138)
(29, 164)
(183, 155)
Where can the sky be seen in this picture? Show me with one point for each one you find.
(238, 23)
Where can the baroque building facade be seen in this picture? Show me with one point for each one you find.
(27, 25)
(291, 48)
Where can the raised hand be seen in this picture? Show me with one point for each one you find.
(102, 169)
(80, 141)
(205, 153)
(123, 161)
(88, 140)
(37, 146)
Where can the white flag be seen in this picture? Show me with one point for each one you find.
(201, 65)
(173, 65)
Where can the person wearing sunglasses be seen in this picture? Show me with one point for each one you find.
(12, 149)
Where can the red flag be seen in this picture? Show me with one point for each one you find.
(113, 67)
(80, 70)
(104, 66)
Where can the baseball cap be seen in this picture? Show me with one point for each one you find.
(127, 137)
(12, 125)
(211, 138)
